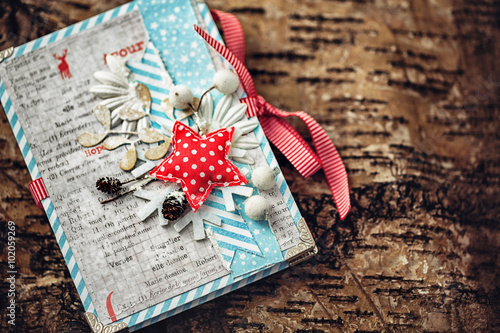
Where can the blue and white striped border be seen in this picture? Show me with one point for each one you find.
(181, 302)
(26, 151)
(201, 295)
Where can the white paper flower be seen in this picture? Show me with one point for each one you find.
(229, 113)
(128, 100)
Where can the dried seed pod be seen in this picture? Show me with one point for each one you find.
(108, 184)
(174, 205)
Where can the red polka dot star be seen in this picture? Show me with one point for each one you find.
(199, 163)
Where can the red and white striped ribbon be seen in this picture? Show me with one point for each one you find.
(232, 31)
(38, 191)
(277, 130)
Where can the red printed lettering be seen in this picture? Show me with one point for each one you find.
(94, 151)
(127, 50)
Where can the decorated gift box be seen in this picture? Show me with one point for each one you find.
(148, 148)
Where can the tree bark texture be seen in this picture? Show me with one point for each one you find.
(409, 92)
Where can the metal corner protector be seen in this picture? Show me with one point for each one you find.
(305, 249)
(97, 327)
(7, 53)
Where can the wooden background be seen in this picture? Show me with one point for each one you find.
(409, 92)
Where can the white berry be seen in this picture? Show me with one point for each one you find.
(226, 81)
(263, 178)
(256, 208)
(180, 97)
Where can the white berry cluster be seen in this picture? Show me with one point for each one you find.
(226, 81)
(257, 207)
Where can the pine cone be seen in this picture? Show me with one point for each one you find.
(174, 205)
(108, 184)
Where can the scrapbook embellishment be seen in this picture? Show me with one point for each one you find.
(257, 208)
(112, 185)
(38, 191)
(126, 102)
(199, 163)
(146, 164)
(109, 185)
(197, 219)
(263, 178)
(181, 97)
(154, 204)
(158, 264)
(227, 114)
(6, 54)
(97, 327)
(229, 192)
(174, 206)
(226, 81)
(146, 134)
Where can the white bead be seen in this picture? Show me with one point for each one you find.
(226, 81)
(263, 178)
(180, 97)
(256, 208)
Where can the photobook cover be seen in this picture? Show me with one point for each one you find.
(157, 204)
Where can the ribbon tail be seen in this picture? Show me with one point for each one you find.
(331, 162)
(233, 33)
(281, 133)
(329, 157)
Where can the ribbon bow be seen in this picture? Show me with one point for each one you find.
(277, 130)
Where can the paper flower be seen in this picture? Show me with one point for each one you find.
(225, 115)
(199, 163)
(128, 100)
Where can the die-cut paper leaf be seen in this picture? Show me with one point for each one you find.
(132, 113)
(91, 139)
(247, 159)
(129, 160)
(207, 108)
(103, 114)
(168, 109)
(114, 142)
(144, 95)
(151, 135)
(226, 115)
(158, 152)
(247, 125)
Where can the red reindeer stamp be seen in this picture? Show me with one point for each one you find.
(63, 66)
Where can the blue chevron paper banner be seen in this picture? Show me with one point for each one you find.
(186, 300)
(233, 237)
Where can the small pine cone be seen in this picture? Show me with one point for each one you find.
(174, 205)
(108, 184)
